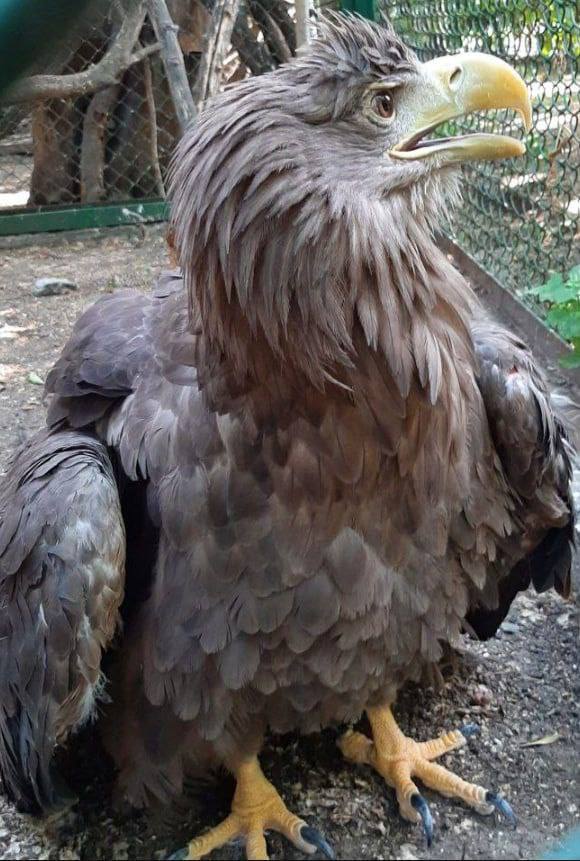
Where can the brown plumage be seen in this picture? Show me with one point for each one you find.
(333, 455)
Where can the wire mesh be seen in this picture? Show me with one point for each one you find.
(520, 217)
(114, 143)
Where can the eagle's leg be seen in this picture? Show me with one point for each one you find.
(256, 808)
(398, 759)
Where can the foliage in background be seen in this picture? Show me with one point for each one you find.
(561, 296)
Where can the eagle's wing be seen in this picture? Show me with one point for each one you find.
(64, 514)
(530, 438)
(108, 347)
(62, 567)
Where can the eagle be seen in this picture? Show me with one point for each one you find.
(299, 468)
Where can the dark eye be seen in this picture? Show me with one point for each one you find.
(383, 105)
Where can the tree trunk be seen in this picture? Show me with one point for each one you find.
(54, 177)
(94, 144)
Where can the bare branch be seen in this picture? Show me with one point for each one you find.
(277, 27)
(153, 143)
(255, 55)
(216, 44)
(275, 36)
(276, 10)
(105, 73)
(166, 32)
(302, 22)
(143, 52)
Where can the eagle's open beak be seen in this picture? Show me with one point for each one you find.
(460, 85)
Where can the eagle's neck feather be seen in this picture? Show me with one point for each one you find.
(309, 291)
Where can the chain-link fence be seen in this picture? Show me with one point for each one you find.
(113, 144)
(70, 140)
(520, 217)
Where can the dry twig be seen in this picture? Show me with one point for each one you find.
(216, 44)
(153, 142)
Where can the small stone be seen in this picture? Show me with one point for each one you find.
(53, 286)
(407, 852)
(509, 628)
(34, 378)
(481, 695)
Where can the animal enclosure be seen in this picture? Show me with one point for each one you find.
(99, 154)
(517, 687)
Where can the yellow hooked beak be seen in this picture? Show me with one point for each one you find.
(458, 85)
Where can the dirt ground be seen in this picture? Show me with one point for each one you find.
(520, 687)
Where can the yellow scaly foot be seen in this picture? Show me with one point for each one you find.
(398, 759)
(256, 807)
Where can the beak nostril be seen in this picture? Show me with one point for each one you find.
(455, 77)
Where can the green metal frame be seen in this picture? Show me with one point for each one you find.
(366, 8)
(46, 219)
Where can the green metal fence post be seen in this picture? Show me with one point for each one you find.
(366, 8)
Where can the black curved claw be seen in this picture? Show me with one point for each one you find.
(502, 806)
(422, 808)
(469, 730)
(315, 838)
(179, 854)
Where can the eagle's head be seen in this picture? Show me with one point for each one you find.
(301, 194)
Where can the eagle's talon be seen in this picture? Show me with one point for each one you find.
(256, 809)
(399, 759)
(316, 839)
(422, 808)
(502, 806)
(470, 730)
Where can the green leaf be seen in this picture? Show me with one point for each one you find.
(574, 277)
(572, 360)
(556, 290)
(566, 321)
(554, 281)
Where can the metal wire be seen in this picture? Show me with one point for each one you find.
(114, 144)
(520, 217)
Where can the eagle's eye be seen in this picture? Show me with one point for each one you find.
(383, 105)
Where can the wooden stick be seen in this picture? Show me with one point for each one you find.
(166, 32)
(216, 44)
(153, 141)
(302, 22)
